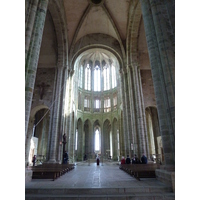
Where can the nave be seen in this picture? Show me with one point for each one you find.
(89, 181)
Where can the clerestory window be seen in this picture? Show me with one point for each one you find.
(88, 77)
(97, 78)
(106, 73)
(114, 80)
(80, 77)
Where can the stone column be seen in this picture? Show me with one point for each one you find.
(32, 61)
(141, 117)
(80, 151)
(71, 127)
(161, 54)
(63, 119)
(126, 112)
(54, 142)
(132, 115)
(114, 140)
(68, 110)
(30, 20)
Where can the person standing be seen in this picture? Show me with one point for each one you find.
(65, 157)
(98, 159)
(34, 160)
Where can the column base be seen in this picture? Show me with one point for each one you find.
(28, 174)
(166, 174)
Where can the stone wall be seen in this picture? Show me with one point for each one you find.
(45, 76)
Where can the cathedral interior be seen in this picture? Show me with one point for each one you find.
(102, 72)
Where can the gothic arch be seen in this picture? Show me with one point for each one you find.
(133, 31)
(97, 40)
(58, 16)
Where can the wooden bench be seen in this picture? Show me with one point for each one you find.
(50, 171)
(140, 170)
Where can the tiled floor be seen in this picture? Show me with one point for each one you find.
(89, 175)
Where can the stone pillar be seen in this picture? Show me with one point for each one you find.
(126, 112)
(123, 121)
(71, 127)
(32, 61)
(80, 151)
(114, 140)
(133, 118)
(54, 142)
(68, 111)
(160, 38)
(30, 20)
(63, 119)
(142, 118)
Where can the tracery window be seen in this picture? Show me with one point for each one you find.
(106, 73)
(80, 77)
(97, 78)
(114, 81)
(88, 77)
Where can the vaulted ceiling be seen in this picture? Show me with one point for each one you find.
(93, 22)
(87, 17)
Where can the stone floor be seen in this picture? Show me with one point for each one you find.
(106, 179)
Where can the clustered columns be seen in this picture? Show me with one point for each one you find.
(34, 30)
(69, 127)
(124, 113)
(56, 116)
(140, 116)
(159, 31)
(134, 113)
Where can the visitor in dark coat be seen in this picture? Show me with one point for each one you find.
(144, 159)
(128, 160)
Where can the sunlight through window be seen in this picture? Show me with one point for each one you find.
(97, 140)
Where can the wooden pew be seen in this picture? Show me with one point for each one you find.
(50, 171)
(140, 170)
